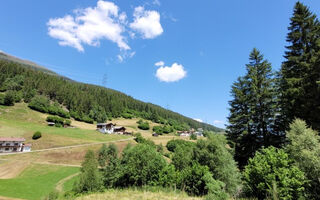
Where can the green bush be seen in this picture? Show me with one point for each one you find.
(142, 165)
(89, 179)
(304, 149)
(213, 152)
(8, 98)
(144, 125)
(173, 144)
(67, 122)
(36, 135)
(139, 139)
(193, 137)
(271, 168)
(195, 179)
(39, 103)
(2, 99)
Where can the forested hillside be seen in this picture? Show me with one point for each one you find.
(57, 95)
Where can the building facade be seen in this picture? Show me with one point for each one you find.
(9, 145)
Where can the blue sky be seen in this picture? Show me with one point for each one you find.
(200, 47)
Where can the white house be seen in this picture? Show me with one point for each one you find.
(9, 144)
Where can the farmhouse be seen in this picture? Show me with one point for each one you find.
(110, 128)
(8, 145)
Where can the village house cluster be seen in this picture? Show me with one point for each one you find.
(110, 128)
(198, 132)
(10, 145)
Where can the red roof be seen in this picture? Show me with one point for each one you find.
(12, 139)
(27, 145)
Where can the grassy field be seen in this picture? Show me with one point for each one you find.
(129, 194)
(35, 182)
(20, 121)
(33, 175)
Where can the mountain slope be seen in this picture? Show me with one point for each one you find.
(84, 101)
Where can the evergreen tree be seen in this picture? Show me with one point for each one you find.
(253, 110)
(300, 71)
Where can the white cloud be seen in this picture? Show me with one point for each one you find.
(199, 120)
(159, 64)
(89, 26)
(171, 74)
(146, 22)
(124, 55)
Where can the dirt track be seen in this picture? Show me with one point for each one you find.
(67, 147)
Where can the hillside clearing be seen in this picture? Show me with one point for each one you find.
(11, 169)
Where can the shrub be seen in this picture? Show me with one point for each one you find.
(39, 103)
(67, 122)
(214, 154)
(195, 179)
(144, 125)
(193, 137)
(173, 144)
(304, 149)
(89, 178)
(139, 139)
(168, 176)
(142, 165)
(55, 119)
(2, 99)
(9, 98)
(127, 115)
(36, 135)
(270, 167)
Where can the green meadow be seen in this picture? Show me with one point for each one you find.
(36, 181)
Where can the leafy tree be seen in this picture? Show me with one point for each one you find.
(270, 167)
(300, 95)
(182, 157)
(193, 137)
(89, 178)
(39, 103)
(142, 165)
(304, 149)
(195, 179)
(214, 154)
(143, 125)
(173, 144)
(168, 176)
(9, 98)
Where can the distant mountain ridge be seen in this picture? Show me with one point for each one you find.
(122, 102)
(27, 63)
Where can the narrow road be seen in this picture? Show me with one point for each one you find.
(68, 147)
(59, 185)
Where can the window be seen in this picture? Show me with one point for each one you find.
(7, 149)
(7, 144)
(14, 149)
(16, 144)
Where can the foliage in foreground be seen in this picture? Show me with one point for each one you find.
(270, 168)
(304, 149)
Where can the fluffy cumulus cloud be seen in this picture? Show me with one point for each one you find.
(172, 73)
(159, 64)
(146, 22)
(104, 21)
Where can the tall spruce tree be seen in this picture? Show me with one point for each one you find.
(253, 110)
(300, 95)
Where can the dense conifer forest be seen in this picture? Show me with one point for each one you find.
(50, 93)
